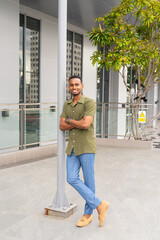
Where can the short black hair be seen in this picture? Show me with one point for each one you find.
(75, 76)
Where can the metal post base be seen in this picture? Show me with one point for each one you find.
(63, 212)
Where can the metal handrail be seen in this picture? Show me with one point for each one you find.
(23, 104)
(14, 109)
(125, 103)
(40, 103)
(10, 110)
(126, 108)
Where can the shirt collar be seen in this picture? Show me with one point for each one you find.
(81, 100)
(69, 101)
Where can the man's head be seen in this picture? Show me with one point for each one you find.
(75, 76)
(75, 85)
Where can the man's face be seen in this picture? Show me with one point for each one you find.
(75, 86)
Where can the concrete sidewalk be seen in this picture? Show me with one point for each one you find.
(129, 179)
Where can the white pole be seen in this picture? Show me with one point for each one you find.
(60, 199)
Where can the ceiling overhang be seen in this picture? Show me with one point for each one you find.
(80, 13)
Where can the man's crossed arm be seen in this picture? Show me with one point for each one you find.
(84, 123)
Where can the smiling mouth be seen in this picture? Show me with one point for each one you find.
(75, 92)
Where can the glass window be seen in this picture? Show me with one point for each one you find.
(29, 31)
(21, 59)
(32, 63)
(74, 57)
(78, 45)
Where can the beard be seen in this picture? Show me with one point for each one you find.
(76, 94)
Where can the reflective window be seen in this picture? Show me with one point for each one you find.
(74, 57)
(78, 44)
(29, 50)
(69, 62)
(21, 59)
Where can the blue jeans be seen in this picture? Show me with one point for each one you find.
(86, 189)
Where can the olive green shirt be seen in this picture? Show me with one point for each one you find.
(81, 140)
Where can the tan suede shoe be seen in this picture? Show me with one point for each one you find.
(102, 215)
(84, 221)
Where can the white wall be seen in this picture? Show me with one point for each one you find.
(49, 58)
(9, 51)
(9, 71)
(89, 71)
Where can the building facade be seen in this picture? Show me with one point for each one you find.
(29, 71)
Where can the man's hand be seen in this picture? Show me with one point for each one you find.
(64, 125)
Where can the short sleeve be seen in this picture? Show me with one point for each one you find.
(63, 114)
(90, 108)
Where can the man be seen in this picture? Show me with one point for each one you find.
(78, 117)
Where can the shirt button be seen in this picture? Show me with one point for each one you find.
(73, 111)
(73, 141)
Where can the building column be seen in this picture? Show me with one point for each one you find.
(116, 114)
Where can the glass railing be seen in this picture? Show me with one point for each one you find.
(9, 127)
(30, 125)
(27, 125)
(123, 120)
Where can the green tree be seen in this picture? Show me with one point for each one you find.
(131, 32)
